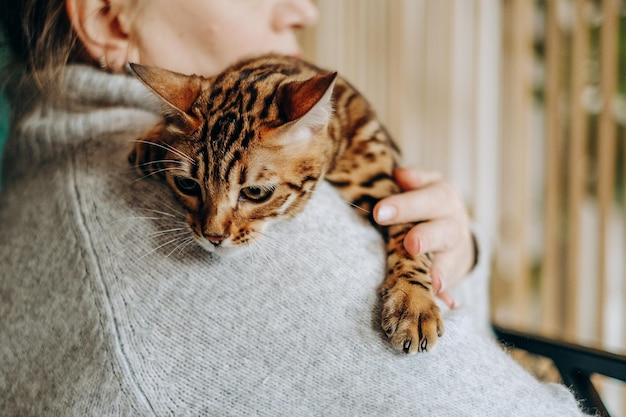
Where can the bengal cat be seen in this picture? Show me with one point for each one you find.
(247, 147)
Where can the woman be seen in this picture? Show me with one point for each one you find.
(108, 310)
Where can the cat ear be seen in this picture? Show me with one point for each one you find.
(308, 104)
(177, 90)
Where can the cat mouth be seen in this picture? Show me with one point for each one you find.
(223, 247)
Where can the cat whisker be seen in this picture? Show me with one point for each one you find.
(280, 244)
(181, 246)
(158, 171)
(351, 204)
(164, 232)
(358, 207)
(161, 216)
(269, 261)
(270, 241)
(177, 236)
(167, 148)
(162, 212)
(155, 249)
(172, 217)
(173, 161)
(262, 234)
(174, 210)
(135, 218)
(259, 248)
(162, 161)
(251, 249)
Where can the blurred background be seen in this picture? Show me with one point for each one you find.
(522, 104)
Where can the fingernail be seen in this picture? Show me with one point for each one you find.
(414, 247)
(386, 213)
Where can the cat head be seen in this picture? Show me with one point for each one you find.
(245, 148)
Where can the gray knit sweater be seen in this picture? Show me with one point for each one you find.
(106, 309)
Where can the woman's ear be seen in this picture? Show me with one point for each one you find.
(99, 25)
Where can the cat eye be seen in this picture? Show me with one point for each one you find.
(257, 194)
(187, 186)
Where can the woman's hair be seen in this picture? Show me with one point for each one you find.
(40, 37)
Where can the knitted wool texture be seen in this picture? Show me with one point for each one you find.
(103, 312)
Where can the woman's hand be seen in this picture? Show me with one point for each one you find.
(444, 229)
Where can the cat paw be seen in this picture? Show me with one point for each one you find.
(411, 318)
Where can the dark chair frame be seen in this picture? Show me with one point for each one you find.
(575, 363)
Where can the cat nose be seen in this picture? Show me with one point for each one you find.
(215, 240)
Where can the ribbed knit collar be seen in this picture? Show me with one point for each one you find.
(91, 104)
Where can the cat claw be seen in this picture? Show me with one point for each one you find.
(424, 345)
(391, 330)
(411, 327)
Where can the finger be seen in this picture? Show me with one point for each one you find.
(430, 202)
(433, 236)
(449, 268)
(411, 179)
(439, 284)
(438, 280)
(446, 298)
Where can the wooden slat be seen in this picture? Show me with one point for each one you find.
(551, 277)
(579, 129)
(501, 311)
(352, 24)
(405, 95)
(514, 257)
(620, 67)
(607, 137)
(462, 114)
(398, 83)
(486, 137)
(437, 85)
(377, 28)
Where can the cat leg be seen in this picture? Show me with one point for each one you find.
(410, 317)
